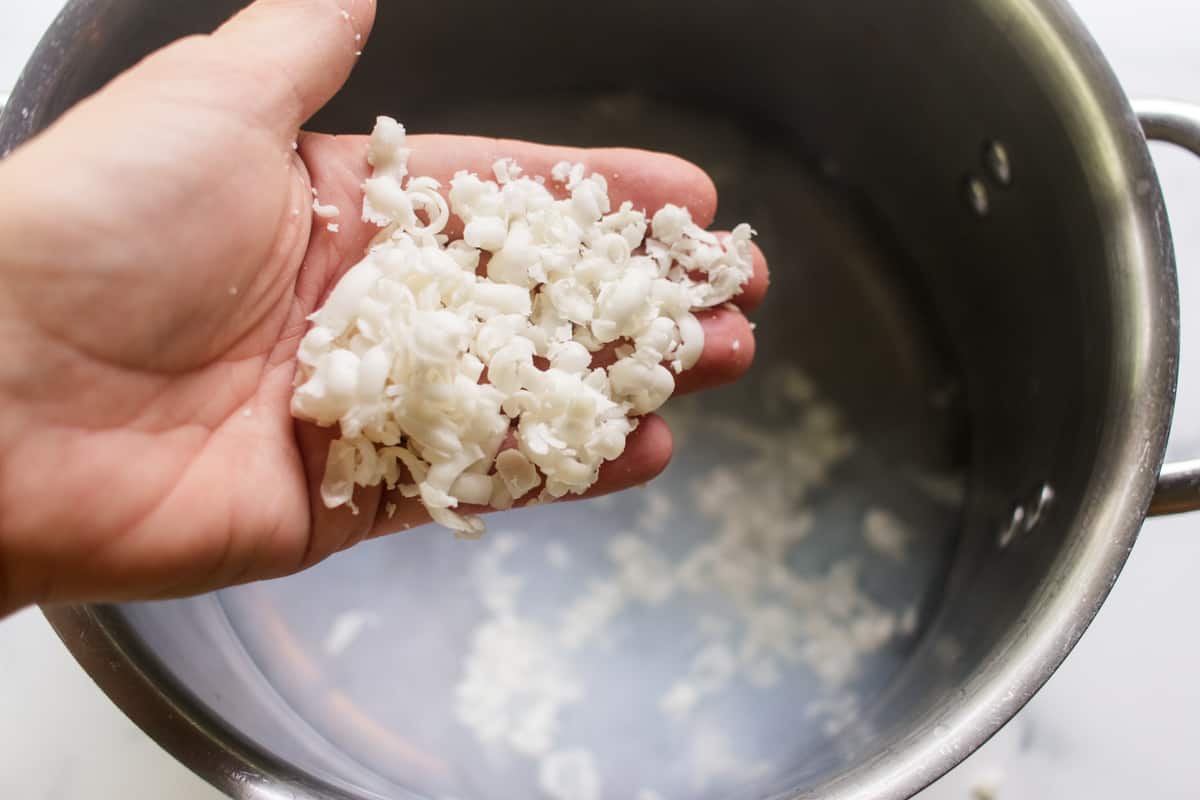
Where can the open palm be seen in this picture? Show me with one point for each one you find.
(161, 260)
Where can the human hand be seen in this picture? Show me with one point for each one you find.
(158, 261)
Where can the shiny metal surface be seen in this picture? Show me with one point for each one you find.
(1178, 489)
(1055, 314)
(1178, 123)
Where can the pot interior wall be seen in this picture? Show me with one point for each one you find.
(959, 348)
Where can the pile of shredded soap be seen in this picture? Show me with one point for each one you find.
(466, 386)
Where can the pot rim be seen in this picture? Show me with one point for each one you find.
(1100, 119)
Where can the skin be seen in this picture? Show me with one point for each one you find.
(155, 281)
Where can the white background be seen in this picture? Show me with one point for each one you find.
(1118, 721)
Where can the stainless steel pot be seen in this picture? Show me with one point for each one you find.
(972, 264)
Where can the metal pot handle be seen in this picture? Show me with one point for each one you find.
(1178, 123)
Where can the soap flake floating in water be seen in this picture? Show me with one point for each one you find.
(515, 682)
(657, 511)
(570, 775)
(557, 555)
(885, 534)
(585, 621)
(714, 567)
(711, 671)
(712, 757)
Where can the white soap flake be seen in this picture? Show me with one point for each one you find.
(758, 621)
(711, 671)
(558, 556)
(644, 574)
(586, 620)
(515, 685)
(325, 211)
(654, 515)
(561, 171)
(711, 757)
(506, 170)
(885, 534)
(570, 775)
(565, 277)
(780, 619)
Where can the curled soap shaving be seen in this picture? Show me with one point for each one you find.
(397, 355)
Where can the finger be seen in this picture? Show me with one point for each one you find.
(647, 179)
(647, 452)
(300, 52)
(728, 351)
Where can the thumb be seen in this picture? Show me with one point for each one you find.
(300, 51)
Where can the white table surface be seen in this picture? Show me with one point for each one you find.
(1116, 722)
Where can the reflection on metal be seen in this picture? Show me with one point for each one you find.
(1012, 527)
(1026, 516)
(978, 199)
(1039, 506)
(1177, 123)
(998, 162)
